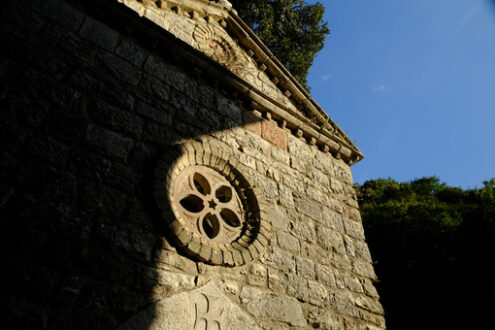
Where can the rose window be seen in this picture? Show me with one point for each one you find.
(209, 203)
(214, 214)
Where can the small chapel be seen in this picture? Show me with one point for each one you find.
(161, 169)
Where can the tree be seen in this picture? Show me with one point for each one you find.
(431, 244)
(292, 29)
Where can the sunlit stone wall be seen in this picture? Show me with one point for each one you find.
(89, 109)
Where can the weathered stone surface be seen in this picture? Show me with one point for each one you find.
(202, 308)
(119, 69)
(305, 268)
(279, 259)
(112, 143)
(251, 122)
(304, 229)
(332, 220)
(272, 133)
(309, 209)
(325, 275)
(131, 52)
(91, 104)
(279, 218)
(330, 239)
(280, 155)
(288, 242)
(117, 120)
(277, 308)
(230, 110)
(165, 72)
(354, 229)
(99, 33)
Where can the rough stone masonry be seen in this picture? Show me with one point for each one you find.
(161, 169)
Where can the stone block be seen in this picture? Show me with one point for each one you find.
(344, 304)
(281, 156)
(353, 284)
(362, 251)
(119, 68)
(251, 294)
(288, 242)
(229, 109)
(110, 142)
(99, 33)
(332, 219)
(258, 275)
(100, 199)
(299, 165)
(294, 181)
(200, 92)
(352, 212)
(305, 268)
(268, 187)
(278, 217)
(349, 246)
(298, 148)
(251, 122)
(274, 134)
(159, 135)
(277, 308)
(66, 126)
(323, 318)
(117, 119)
(320, 177)
(64, 14)
(317, 294)
(316, 194)
(340, 276)
(118, 97)
(167, 73)
(279, 259)
(210, 120)
(155, 88)
(377, 320)
(158, 115)
(354, 229)
(370, 289)
(330, 240)
(325, 275)
(368, 304)
(310, 209)
(285, 196)
(336, 186)
(131, 52)
(303, 228)
(170, 259)
(247, 160)
(363, 269)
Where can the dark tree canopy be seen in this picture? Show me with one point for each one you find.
(434, 249)
(292, 29)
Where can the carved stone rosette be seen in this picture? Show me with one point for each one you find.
(213, 212)
(217, 44)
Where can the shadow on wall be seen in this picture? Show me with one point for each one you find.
(87, 111)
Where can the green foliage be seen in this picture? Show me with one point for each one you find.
(292, 29)
(433, 245)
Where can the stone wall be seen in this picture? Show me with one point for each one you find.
(88, 109)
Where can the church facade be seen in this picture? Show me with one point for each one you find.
(161, 169)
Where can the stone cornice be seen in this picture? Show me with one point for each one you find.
(307, 120)
(318, 120)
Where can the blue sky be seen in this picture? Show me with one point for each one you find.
(412, 82)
